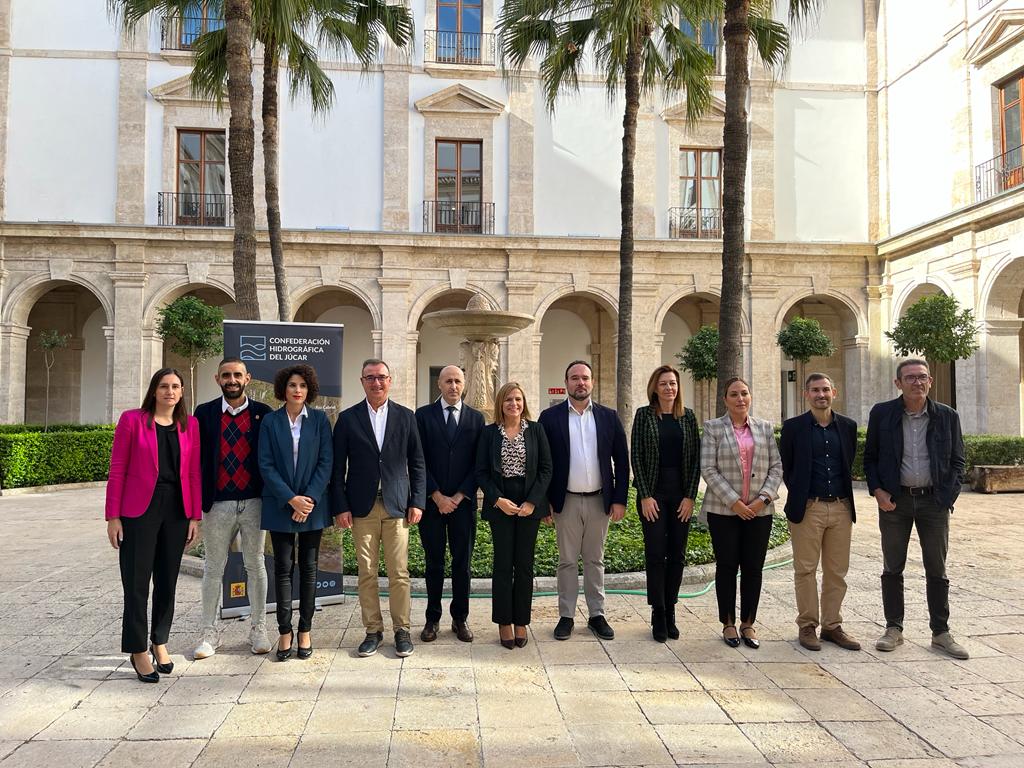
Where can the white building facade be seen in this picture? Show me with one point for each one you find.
(884, 164)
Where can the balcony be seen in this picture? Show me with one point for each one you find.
(180, 34)
(463, 54)
(1001, 173)
(695, 223)
(458, 217)
(189, 209)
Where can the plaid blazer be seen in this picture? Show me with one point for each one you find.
(721, 469)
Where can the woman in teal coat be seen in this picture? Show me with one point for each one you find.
(295, 456)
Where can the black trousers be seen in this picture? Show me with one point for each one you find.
(284, 567)
(665, 542)
(151, 549)
(515, 540)
(456, 532)
(739, 544)
(932, 523)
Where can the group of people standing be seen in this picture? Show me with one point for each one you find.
(246, 469)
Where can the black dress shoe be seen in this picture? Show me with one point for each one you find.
(284, 655)
(659, 630)
(370, 645)
(429, 632)
(599, 626)
(564, 628)
(403, 643)
(670, 622)
(150, 677)
(522, 641)
(304, 653)
(750, 640)
(462, 631)
(510, 643)
(732, 642)
(163, 669)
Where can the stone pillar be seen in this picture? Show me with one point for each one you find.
(644, 172)
(999, 405)
(13, 345)
(398, 344)
(765, 371)
(5, 86)
(108, 406)
(520, 156)
(646, 341)
(130, 207)
(856, 385)
(395, 216)
(762, 156)
(523, 349)
(131, 368)
(871, 105)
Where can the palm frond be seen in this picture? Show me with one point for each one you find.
(209, 78)
(771, 38)
(306, 76)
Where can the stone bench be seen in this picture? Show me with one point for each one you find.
(998, 479)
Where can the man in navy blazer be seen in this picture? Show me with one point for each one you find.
(229, 432)
(590, 478)
(817, 450)
(449, 430)
(379, 490)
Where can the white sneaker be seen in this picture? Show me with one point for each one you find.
(206, 647)
(259, 640)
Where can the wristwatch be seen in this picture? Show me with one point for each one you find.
(765, 498)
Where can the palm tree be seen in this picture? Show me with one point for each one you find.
(640, 44)
(344, 27)
(241, 130)
(741, 19)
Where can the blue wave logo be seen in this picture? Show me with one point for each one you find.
(252, 347)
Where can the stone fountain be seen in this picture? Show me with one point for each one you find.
(480, 327)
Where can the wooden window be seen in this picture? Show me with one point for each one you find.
(201, 193)
(700, 193)
(1011, 137)
(459, 28)
(458, 185)
(201, 16)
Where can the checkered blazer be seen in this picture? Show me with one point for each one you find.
(721, 469)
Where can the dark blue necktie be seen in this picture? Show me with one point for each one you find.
(452, 424)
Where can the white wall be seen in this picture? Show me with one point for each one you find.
(565, 337)
(331, 166)
(94, 370)
(62, 140)
(578, 165)
(831, 50)
(73, 25)
(912, 35)
(820, 166)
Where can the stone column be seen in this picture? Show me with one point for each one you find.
(13, 345)
(520, 156)
(765, 383)
(1000, 410)
(523, 353)
(398, 344)
(646, 341)
(871, 105)
(395, 216)
(644, 172)
(856, 355)
(762, 156)
(130, 370)
(108, 406)
(130, 207)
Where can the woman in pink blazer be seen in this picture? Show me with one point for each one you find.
(154, 504)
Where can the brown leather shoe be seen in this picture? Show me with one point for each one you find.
(429, 633)
(462, 631)
(809, 638)
(840, 638)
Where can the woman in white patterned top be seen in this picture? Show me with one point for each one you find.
(513, 468)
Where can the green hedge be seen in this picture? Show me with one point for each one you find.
(17, 429)
(32, 457)
(624, 552)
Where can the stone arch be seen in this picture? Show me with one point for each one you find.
(677, 319)
(1001, 293)
(710, 294)
(944, 374)
(907, 293)
(601, 297)
(835, 299)
(179, 287)
(23, 296)
(419, 306)
(310, 290)
(1002, 348)
(435, 348)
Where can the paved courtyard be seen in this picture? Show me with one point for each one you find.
(68, 698)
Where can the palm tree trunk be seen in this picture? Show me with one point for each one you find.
(270, 170)
(734, 172)
(241, 143)
(624, 353)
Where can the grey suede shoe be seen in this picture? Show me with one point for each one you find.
(892, 639)
(945, 643)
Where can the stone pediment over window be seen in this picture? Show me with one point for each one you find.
(177, 93)
(706, 132)
(1004, 29)
(676, 115)
(459, 101)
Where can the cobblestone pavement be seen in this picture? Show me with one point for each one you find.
(69, 699)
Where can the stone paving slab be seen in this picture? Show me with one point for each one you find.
(68, 699)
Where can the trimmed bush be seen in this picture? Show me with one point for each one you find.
(17, 429)
(32, 457)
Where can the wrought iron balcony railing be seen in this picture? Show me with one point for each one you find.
(471, 48)
(179, 34)
(999, 174)
(458, 216)
(695, 223)
(188, 209)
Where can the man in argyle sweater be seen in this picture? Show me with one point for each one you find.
(229, 429)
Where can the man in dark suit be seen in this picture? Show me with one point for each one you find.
(817, 450)
(914, 463)
(229, 431)
(449, 430)
(379, 490)
(590, 459)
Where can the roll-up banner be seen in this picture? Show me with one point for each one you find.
(266, 347)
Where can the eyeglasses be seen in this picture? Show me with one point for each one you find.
(375, 379)
(919, 378)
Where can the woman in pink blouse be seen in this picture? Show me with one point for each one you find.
(740, 462)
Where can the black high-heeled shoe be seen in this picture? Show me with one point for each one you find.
(287, 652)
(303, 653)
(164, 669)
(750, 640)
(150, 677)
(510, 643)
(732, 642)
(520, 642)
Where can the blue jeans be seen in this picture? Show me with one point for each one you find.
(932, 522)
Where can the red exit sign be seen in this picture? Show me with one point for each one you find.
(556, 390)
